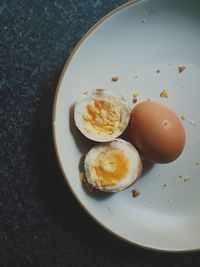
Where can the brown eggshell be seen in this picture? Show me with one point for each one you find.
(157, 132)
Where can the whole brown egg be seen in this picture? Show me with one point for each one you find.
(156, 131)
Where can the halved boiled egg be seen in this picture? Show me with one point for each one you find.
(112, 166)
(101, 115)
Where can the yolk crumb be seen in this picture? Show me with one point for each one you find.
(135, 94)
(164, 93)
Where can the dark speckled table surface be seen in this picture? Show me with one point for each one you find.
(41, 224)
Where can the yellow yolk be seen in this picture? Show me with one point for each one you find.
(110, 167)
(164, 93)
(102, 117)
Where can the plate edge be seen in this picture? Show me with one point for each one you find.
(67, 63)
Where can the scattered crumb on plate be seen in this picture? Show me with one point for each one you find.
(164, 185)
(135, 95)
(184, 178)
(183, 118)
(136, 77)
(149, 99)
(143, 20)
(164, 93)
(135, 193)
(181, 69)
(169, 200)
(198, 163)
(114, 78)
(157, 71)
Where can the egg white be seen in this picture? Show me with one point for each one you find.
(134, 169)
(101, 95)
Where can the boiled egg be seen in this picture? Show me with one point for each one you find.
(157, 132)
(101, 115)
(112, 166)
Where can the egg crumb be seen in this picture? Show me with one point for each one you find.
(164, 93)
(135, 193)
(183, 118)
(184, 178)
(135, 95)
(115, 78)
(181, 69)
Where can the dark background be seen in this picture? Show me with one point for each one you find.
(41, 224)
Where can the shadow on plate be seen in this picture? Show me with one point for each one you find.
(146, 167)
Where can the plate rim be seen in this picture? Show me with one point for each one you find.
(64, 69)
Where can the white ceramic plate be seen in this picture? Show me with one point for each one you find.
(137, 39)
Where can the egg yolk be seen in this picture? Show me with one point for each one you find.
(101, 117)
(110, 167)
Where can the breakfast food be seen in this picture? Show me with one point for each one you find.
(101, 115)
(135, 193)
(156, 131)
(164, 93)
(135, 96)
(112, 166)
(181, 69)
(115, 78)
